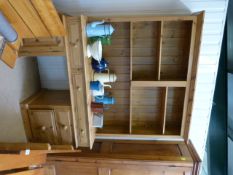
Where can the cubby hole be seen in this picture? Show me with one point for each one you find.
(116, 117)
(176, 37)
(145, 45)
(174, 110)
(147, 114)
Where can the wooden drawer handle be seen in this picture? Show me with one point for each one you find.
(64, 127)
(82, 131)
(43, 128)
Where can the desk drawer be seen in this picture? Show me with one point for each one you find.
(43, 126)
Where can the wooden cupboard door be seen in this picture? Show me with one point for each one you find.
(43, 126)
(74, 169)
(80, 109)
(64, 125)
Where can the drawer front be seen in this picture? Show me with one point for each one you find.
(43, 126)
(74, 41)
(64, 126)
(80, 109)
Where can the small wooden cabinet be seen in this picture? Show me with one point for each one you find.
(48, 118)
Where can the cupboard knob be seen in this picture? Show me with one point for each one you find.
(64, 127)
(43, 128)
(78, 88)
(82, 131)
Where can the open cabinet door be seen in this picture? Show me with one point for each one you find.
(31, 19)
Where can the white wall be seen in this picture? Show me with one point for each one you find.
(53, 72)
(210, 45)
(16, 85)
(116, 7)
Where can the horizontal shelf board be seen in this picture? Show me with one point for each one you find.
(158, 83)
(139, 137)
(143, 19)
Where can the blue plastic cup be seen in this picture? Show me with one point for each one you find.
(95, 85)
(105, 100)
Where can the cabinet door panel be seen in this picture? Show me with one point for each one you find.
(63, 121)
(135, 172)
(75, 170)
(43, 126)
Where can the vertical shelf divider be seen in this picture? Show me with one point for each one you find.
(131, 76)
(164, 109)
(159, 49)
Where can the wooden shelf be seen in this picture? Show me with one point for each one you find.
(158, 83)
(152, 58)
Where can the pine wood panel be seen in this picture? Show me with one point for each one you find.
(49, 16)
(42, 47)
(176, 37)
(116, 118)
(30, 16)
(9, 56)
(175, 102)
(20, 161)
(15, 20)
(64, 126)
(145, 32)
(43, 126)
(38, 171)
(142, 121)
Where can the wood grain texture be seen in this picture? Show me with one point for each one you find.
(24, 146)
(149, 32)
(118, 55)
(9, 56)
(38, 171)
(89, 77)
(67, 25)
(30, 16)
(52, 46)
(49, 16)
(158, 83)
(181, 31)
(20, 161)
(15, 19)
(196, 52)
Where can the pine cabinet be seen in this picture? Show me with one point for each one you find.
(155, 59)
(47, 117)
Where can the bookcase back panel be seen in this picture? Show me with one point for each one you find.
(144, 50)
(116, 117)
(175, 49)
(147, 110)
